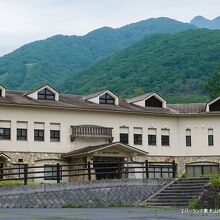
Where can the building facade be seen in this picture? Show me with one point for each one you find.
(43, 127)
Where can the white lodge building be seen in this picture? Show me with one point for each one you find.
(43, 127)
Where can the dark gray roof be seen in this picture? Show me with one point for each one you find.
(76, 102)
(94, 94)
(79, 102)
(140, 97)
(91, 149)
(191, 108)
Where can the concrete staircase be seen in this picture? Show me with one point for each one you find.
(178, 194)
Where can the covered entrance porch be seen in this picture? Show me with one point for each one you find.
(106, 161)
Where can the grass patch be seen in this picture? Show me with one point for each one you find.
(215, 181)
(17, 183)
(194, 204)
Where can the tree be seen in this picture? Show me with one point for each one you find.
(139, 91)
(213, 85)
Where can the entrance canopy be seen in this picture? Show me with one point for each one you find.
(4, 157)
(116, 149)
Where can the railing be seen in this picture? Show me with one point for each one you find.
(95, 170)
(91, 131)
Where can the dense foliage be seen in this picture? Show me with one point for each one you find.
(213, 85)
(51, 60)
(173, 65)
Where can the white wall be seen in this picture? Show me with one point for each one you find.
(177, 125)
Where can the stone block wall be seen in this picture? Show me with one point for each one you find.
(101, 193)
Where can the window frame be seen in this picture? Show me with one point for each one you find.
(106, 99)
(123, 138)
(45, 94)
(53, 137)
(3, 135)
(210, 141)
(188, 140)
(150, 141)
(53, 171)
(165, 142)
(136, 141)
(19, 169)
(21, 137)
(38, 137)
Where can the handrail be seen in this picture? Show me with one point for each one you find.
(89, 169)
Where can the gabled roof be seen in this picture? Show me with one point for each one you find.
(6, 158)
(140, 98)
(93, 95)
(144, 96)
(96, 94)
(93, 149)
(1, 86)
(39, 88)
(212, 102)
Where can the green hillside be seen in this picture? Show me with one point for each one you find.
(173, 65)
(51, 60)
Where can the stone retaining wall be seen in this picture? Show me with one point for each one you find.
(90, 194)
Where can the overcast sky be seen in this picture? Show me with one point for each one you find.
(24, 21)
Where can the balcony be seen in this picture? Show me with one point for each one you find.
(91, 131)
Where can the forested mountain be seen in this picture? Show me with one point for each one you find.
(202, 22)
(173, 65)
(51, 60)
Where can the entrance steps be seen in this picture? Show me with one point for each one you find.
(178, 193)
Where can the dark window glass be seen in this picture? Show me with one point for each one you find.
(152, 139)
(106, 99)
(38, 135)
(138, 139)
(54, 135)
(0, 93)
(188, 140)
(153, 102)
(165, 140)
(22, 134)
(5, 133)
(124, 138)
(210, 140)
(51, 172)
(45, 94)
(18, 170)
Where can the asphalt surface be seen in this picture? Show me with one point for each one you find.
(106, 214)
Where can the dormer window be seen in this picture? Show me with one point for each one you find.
(153, 102)
(2, 91)
(45, 94)
(148, 100)
(106, 99)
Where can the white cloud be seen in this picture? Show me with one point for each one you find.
(22, 21)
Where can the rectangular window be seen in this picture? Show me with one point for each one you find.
(165, 137)
(5, 133)
(51, 172)
(165, 140)
(152, 136)
(137, 139)
(19, 170)
(210, 140)
(124, 138)
(54, 135)
(137, 136)
(38, 135)
(21, 134)
(152, 139)
(188, 137)
(210, 137)
(188, 140)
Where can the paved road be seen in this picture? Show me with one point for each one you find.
(102, 214)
